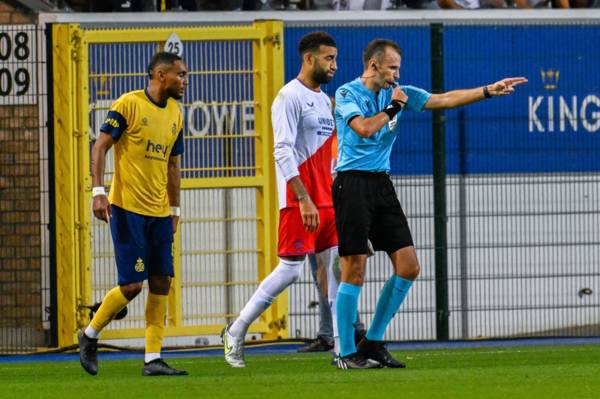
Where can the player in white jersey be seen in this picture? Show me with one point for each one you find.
(303, 127)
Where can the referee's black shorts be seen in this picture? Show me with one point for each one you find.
(367, 208)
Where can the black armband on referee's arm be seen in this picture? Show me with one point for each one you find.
(393, 108)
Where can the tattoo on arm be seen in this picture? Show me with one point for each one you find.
(298, 187)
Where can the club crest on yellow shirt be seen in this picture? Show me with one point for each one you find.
(174, 129)
(139, 265)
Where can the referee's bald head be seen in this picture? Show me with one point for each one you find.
(376, 49)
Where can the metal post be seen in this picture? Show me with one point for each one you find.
(439, 186)
(228, 230)
(53, 316)
(462, 214)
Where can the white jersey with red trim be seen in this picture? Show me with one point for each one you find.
(304, 128)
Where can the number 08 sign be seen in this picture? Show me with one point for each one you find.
(18, 64)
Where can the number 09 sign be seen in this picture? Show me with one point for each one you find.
(18, 65)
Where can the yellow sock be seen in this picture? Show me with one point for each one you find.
(112, 303)
(156, 311)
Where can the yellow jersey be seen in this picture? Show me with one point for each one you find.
(146, 135)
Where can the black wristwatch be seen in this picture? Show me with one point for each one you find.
(486, 92)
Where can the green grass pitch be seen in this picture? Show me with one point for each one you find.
(541, 372)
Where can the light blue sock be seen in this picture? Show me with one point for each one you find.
(392, 295)
(346, 306)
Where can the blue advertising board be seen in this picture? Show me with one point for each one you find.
(550, 125)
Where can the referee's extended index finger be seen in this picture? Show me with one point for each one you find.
(515, 81)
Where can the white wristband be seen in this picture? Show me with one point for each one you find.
(175, 211)
(98, 191)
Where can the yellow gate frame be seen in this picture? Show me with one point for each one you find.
(73, 182)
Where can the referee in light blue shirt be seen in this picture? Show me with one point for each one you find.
(368, 113)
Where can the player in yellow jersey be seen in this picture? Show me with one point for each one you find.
(145, 127)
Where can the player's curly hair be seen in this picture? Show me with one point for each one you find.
(313, 40)
(376, 49)
(160, 58)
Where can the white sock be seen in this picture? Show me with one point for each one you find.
(280, 278)
(148, 357)
(91, 333)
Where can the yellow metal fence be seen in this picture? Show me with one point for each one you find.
(227, 240)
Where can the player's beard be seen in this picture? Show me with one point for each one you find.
(320, 76)
(174, 93)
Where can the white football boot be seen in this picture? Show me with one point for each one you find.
(233, 348)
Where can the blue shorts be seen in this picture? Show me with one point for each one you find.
(143, 245)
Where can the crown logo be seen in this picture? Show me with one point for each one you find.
(102, 84)
(550, 78)
(139, 265)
